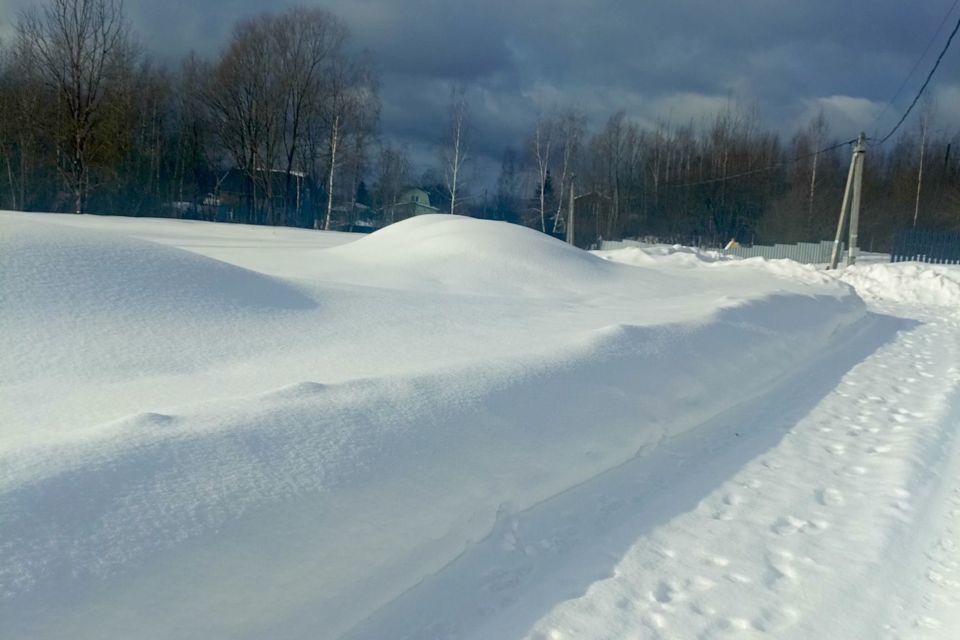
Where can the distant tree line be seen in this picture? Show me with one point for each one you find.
(282, 127)
(276, 129)
(728, 177)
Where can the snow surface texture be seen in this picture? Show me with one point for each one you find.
(450, 428)
(908, 282)
(659, 255)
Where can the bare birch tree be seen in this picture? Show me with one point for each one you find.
(349, 105)
(6, 133)
(364, 122)
(76, 48)
(570, 128)
(818, 137)
(541, 145)
(304, 42)
(454, 151)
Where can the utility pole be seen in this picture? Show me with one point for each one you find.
(923, 147)
(852, 249)
(570, 207)
(852, 182)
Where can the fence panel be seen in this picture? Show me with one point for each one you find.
(935, 247)
(805, 252)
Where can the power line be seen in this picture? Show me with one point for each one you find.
(786, 163)
(916, 65)
(924, 86)
(751, 172)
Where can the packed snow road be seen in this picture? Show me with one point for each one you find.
(463, 429)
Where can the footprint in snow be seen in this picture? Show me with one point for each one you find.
(733, 499)
(738, 578)
(856, 470)
(665, 593)
(654, 620)
(716, 561)
(775, 619)
(836, 449)
(830, 497)
(733, 624)
(788, 525)
(724, 515)
(780, 572)
(926, 622)
(699, 584)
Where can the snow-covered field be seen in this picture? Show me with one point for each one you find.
(464, 429)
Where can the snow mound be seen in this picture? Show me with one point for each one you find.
(906, 282)
(479, 256)
(679, 257)
(60, 287)
(786, 269)
(675, 255)
(84, 272)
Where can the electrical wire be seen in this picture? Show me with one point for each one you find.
(751, 172)
(916, 65)
(786, 163)
(924, 86)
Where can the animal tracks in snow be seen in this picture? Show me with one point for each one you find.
(859, 459)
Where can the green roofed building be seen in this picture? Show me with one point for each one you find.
(413, 202)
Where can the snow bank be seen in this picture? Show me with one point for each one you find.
(906, 282)
(456, 253)
(74, 302)
(675, 255)
(341, 433)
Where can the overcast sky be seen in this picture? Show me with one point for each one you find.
(669, 60)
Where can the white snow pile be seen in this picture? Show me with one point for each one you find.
(271, 438)
(906, 282)
(468, 255)
(676, 255)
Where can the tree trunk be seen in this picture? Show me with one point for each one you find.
(77, 174)
(455, 171)
(334, 139)
(813, 188)
(13, 190)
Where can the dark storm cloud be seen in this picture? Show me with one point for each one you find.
(674, 60)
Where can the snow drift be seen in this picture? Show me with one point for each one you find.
(907, 282)
(653, 255)
(464, 254)
(75, 303)
(355, 425)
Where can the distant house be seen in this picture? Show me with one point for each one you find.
(292, 199)
(413, 202)
(355, 218)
